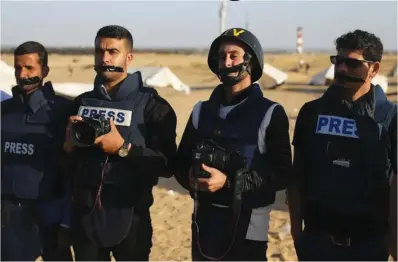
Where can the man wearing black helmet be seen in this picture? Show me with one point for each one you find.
(117, 169)
(234, 155)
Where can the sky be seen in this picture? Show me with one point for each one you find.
(194, 24)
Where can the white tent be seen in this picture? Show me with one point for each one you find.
(326, 77)
(72, 90)
(160, 77)
(272, 77)
(7, 78)
(394, 71)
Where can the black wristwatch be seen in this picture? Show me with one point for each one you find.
(124, 150)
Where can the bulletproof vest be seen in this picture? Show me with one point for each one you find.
(239, 131)
(31, 139)
(127, 111)
(346, 184)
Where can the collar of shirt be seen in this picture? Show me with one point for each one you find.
(37, 99)
(123, 89)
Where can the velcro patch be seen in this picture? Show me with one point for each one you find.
(336, 126)
(119, 116)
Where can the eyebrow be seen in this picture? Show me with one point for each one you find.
(107, 49)
(234, 52)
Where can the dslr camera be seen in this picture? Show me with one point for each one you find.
(84, 133)
(212, 154)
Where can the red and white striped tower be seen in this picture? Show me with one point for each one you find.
(299, 44)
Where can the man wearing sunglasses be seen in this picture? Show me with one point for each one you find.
(345, 160)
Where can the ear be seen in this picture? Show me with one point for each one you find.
(130, 57)
(375, 69)
(45, 71)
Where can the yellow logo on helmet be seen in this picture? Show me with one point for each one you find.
(237, 33)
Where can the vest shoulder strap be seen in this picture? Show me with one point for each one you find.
(262, 132)
(385, 112)
(196, 114)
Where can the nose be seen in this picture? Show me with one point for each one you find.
(21, 73)
(106, 58)
(227, 62)
(342, 67)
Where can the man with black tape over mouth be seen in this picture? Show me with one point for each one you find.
(35, 189)
(120, 138)
(234, 155)
(345, 159)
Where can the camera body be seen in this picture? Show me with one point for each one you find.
(84, 133)
(211, 154)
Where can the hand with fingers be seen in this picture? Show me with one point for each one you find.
(216, 181)
(112, 141)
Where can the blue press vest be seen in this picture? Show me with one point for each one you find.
(346, 182)
(127, 111)
(30, 142)
(239, 131)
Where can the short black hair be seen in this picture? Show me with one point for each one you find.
(361, 40)
(32, 47)
(116, 31)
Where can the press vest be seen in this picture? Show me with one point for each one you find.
(115, 181)
(241, 127)
(30, 144)
(346, 183)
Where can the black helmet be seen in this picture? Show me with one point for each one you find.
(249, 40)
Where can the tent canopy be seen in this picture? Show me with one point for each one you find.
(326, 76)
(7, 78)
(160, 77)
(272, 77)
(72, 90)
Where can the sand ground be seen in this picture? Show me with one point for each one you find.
(172, 207)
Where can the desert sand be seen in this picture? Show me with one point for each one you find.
(173, 207)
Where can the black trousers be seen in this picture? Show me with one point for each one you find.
(250, 250)
(85, 250)
(50, 250)
(317, 246)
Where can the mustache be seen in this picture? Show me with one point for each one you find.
(348, 78)
(103, 68)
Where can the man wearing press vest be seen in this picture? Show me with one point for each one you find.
(345, 160)
(120, 140)
(234, 155)
(35, 215)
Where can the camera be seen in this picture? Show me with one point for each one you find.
(212, 154)
(84, 133)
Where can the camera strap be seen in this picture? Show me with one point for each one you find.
(98, 195)
(236, 208)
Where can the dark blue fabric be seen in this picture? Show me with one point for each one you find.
(38, 120)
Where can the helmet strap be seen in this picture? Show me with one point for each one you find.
(240, 68)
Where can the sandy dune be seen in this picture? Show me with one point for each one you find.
(172, 208)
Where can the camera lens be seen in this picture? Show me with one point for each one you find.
(83, 134)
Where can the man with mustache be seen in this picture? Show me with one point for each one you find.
(116, 169)
(34, 187)
(234, 155)
(344, 161)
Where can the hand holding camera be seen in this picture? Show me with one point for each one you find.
(97, 130)
(212, 163)
(216, 181)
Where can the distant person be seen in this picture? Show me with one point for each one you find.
(234, 155)
(307, 68)
(345, 156)
(117, 166)
(35, 199)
